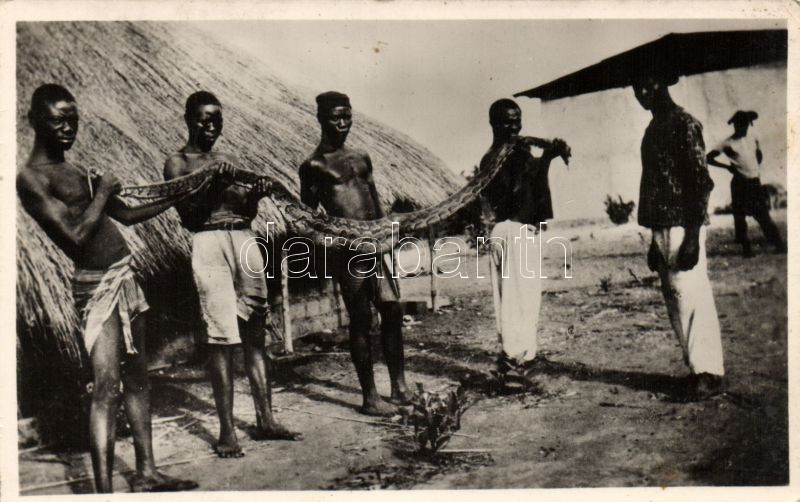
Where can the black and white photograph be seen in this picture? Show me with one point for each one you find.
(321, 253)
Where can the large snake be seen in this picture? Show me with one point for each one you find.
(324, 229)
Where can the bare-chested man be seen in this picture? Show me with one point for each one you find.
(340, 179)
(232, 301)
(75, 211)
(747, 196)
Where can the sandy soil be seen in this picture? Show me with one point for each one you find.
(602, 414)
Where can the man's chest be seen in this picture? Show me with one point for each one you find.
(662, 147)
(344, 169)
(740, 152)
(72, 185)
(198, 162)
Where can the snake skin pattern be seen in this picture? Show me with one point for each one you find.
(323, 229)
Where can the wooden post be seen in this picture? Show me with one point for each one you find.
(434, 277)
(337, 296)
(288, 345)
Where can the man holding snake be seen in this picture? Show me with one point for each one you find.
(232, 302)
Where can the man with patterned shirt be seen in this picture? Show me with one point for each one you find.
(673, 202)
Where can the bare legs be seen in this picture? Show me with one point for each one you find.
(106, 358)
(358, 309)
(255, 360)
(221, 366)
(392, 338)
(220, 369)
(107, 363)
(768, 226)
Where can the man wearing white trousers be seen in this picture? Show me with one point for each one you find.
(516, 287)
(518, 200)
(673, 201)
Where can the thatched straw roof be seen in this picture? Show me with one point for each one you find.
(131, 81)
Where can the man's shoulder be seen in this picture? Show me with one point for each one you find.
(488, 155)
(41, 177)
(175, 158)
(179, 163)
(227, 157)
(175, 165)
(30, 177)
(358, 152)
(683, 118)
(312, 164)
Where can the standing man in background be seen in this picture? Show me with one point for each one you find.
(747, 194)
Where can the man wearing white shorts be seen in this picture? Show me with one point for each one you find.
(233, 299)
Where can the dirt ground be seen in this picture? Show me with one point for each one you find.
(603, 413)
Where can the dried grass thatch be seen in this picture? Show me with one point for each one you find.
(131, 81)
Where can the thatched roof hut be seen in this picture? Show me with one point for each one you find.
(131, 81)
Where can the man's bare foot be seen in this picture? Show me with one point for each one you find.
(228, 447)
(378, 408)
(159, 482)
(401, 397)
(274, 430)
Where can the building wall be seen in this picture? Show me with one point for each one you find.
(605, 130)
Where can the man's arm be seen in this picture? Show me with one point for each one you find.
(117, 209)
(373, 190)
(697, 187)
(54, 216)
(557, 147)
(308, 184)
(711, 159)
(540, 166)
(260, 190)
(697, 184)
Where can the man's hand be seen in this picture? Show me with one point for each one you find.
(689, 252)
(109, 184)
(558, 148)
(262, 187)
(226, 173)
(654, 257)
(730, 152)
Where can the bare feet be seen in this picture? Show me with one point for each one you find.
(159, 482)
(228, 447)
(378, 408)
(274, 430)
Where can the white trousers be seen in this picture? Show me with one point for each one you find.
(516, 286)
(690, 303)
